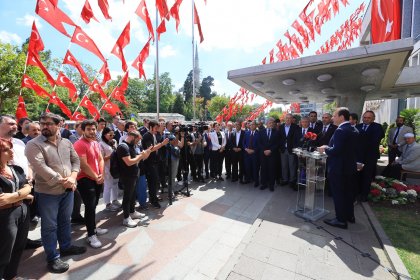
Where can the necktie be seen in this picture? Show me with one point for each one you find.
(364, 127)
(396, 135)
(304, 132)
(250, 140)
(268, 133)
(324, 130)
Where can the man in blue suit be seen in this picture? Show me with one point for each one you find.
(290, 134)
(342, 168)
(251, 155)
(268, 144)
(371, 134)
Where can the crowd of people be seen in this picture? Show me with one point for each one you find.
(48, 171)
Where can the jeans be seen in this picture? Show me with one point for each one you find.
(141, 190)
(55, 211)
(129, 198)
(90, 192)
(14, 227)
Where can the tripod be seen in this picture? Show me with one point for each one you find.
(185, 170)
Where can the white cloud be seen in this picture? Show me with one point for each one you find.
(7, 37)
(167, 51)
(27, 20)
(243, 25)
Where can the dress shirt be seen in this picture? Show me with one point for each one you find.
(238, 137)
(325, 128)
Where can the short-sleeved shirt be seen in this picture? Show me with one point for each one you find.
(125, 149)
(92, 152)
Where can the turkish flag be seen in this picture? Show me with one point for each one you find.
(77, 116)
(118, 94)
(163, 9)
(86, 103)
(104, 6)
(141, 58)
(142, 12)
(303, 33)
(57, 101)
(96, 87)
(71, 60)
(175, 12)
(386, 21)
(297, 43)
(197, 21)
(161, 28)
(105, 71)
(272, 56)
(264, 61)
(34, 61)
(53, 15)
(122, 41)
(308, 20)
(27, 82)
(64, 81)
(124, 82)
(87, 13)
(82, 39)
(35, 42)
(20, 109)
(111, 108)
(287, 35)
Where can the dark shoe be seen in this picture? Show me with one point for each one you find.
(256, 185)
(271, 189)
(160, 199)
(263, 187)
(207, 176)
(245, 182)
(72, 250)
(227, 176)
(336, 223)
(220, 179)
(284, 183)
(78, 220)
(156, 205)
(234, 180)
(143, 208)
(351, 220)
(57, 266)
(33, 244)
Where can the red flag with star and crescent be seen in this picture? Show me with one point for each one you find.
(142, 12)
(121, 43)
(21, 109)
(118, 94)
(161, 29)
(64, 81)
(163, 9)
(57, 101)
(197, 21)
(53, 15)
(34, 61)
(141, 58)
(71, 60)
(104, 6)
(35, 42)
(107, 74)
(87, 13)
(175, 12)
(82, 39)
(96, 87)
(386, 21)
(27, 82)
(111, 108)
(77, 116)
(86, 103)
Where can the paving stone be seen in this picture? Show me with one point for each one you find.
(236, 276)
(257, 251)
(250, 267)
(273, 272)
(283, 260)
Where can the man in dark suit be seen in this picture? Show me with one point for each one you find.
(314, 123)
(237, 153)
(228, 149)
(304, 128)
(251, 155)
(327, 131)
(342, 169)
(268, 143)
(371, 134)
(120, 131)
(290, 135)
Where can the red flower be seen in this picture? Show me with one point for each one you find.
(399, 187)
(382, 184)
(375, 192)
(310, 136)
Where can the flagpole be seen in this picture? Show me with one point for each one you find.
(193, 62)
(157, 68)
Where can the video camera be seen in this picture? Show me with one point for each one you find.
(201, 127)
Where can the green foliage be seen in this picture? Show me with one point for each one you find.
(409, 115)
(330, 107)
(217, 104)
(275, 113)
(205, 89)
(386, 128)
(178, 106)
(187, 89)
(417, 125)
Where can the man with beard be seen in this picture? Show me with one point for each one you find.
(152, 173)
(396, 139)
(55, 164)
(90, 179)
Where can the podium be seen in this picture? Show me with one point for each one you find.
(311, 184)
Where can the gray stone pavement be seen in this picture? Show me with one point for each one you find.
(223, 231)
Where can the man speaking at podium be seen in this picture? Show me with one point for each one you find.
(342, 168)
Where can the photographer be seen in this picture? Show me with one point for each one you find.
(163, 163)
(218, 143)
(187, 157)
(175, 150)
(200, 143)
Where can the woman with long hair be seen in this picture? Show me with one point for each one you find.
(218, 143)
(108, 145)
(14, 214)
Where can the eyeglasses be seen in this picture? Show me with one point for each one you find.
(47, 123)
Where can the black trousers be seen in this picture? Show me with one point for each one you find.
(228, 162)
(392, 154)
(129, 196)
(77, 204)
(163, 172)
(366, 176)
(198, 161)
(152, 176)
(14, 227)
(90, 192)
(206, 162)
(393, 171)
(267, 170)
(216, 163)
(342, 191)
(237, 165)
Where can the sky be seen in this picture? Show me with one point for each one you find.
(237, 34)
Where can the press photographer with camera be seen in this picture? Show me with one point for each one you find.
(200, 143)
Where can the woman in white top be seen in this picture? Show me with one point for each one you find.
(218, 143)
(107, 145)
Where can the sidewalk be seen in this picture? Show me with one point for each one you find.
(223, 231)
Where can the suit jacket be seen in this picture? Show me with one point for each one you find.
(265, 143)
(292, 138)
(215, 141)
(229, 143)
(400, 138)
(117, 135)
(369, 142)
(341, 153)
(324, 138)
(318, 127)
(255, 140)
(301, 135)
(241, 139)
(410, 160)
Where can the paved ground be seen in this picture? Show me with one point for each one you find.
(223, 231)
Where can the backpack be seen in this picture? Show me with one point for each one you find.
(114, 165)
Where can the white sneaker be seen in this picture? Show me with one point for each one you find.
(117, 203)
(101, 231)
(112, 207)
(129, 223)
(137, 215)
(94, 242)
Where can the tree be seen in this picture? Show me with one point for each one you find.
(178, 106)
(275, 113)
(217, 104)
(187, 89)
(205, 89)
